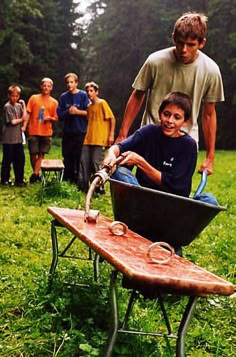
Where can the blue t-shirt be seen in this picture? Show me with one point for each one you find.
(73, 124)
(175, 157)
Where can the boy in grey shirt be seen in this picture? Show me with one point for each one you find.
(13, 150)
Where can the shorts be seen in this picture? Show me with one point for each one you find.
(39, 144)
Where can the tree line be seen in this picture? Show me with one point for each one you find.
(44, 38)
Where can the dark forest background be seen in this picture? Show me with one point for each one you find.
(41, 38)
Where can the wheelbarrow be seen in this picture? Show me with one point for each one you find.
(156, 215)
(161, 216)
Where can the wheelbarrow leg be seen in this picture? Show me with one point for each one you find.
(186, 319)
(114, 310)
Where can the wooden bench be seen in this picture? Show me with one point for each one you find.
(52, 170)
(127, 254)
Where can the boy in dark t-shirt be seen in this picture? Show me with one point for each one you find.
(72, 110)
(12, 141)
(164, 155)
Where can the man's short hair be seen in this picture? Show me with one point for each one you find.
(191, 25)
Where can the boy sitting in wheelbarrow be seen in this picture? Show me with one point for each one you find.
(164, 155)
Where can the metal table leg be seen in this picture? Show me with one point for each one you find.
(114, 330)
(56, 254)
(54, 251)
(114, 311)
(184, 324)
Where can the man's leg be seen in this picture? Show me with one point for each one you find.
(33, 146)
(38, 163)
(45, 143)
(67, 153)
(33, 158)
(84, 171)
(6, 163)
(19, 163)
(78, 150)
(97, 158)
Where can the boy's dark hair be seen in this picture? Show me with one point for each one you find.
(179, 99)
(92, 84)
(191, 25)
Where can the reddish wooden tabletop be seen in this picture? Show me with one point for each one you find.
(52, 164)
(128, 254)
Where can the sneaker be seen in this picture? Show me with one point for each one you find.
(22, 183)
(7, 183)
(34, 178)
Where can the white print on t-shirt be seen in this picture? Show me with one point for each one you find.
(165, 163)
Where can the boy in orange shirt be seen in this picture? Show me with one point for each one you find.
(100, 134)
(41, 112)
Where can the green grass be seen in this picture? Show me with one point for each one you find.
(71, 321)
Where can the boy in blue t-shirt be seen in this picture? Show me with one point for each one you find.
(164, 155)
(72, 109)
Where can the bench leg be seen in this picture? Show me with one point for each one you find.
(96, 267)
(186, 319)
(54, 252)
(61, 175)
(114, 307)
(131, 303)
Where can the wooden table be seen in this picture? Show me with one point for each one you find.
(52, 170)
(128, 255)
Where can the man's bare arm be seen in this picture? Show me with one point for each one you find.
(133, 106)
(209, 125)
(25, 122)
(112, 131)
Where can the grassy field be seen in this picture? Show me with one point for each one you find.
(71, 321)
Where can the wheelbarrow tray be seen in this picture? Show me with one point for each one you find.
(160, 216)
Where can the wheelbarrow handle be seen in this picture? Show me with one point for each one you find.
(202, 183)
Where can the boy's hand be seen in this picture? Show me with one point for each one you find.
(110, 140)
(130, 158)
(22, 103)
(109, 160)
(46, 119)
(73, 110)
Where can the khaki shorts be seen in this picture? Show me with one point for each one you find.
(39, 144)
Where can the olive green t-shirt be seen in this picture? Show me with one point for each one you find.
(162, 74)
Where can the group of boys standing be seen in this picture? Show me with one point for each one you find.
(82, 112)
(89, 122)
(89, 126)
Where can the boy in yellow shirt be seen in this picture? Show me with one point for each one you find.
(100, 134)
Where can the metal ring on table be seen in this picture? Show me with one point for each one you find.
(118, 228)
(161, 244)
